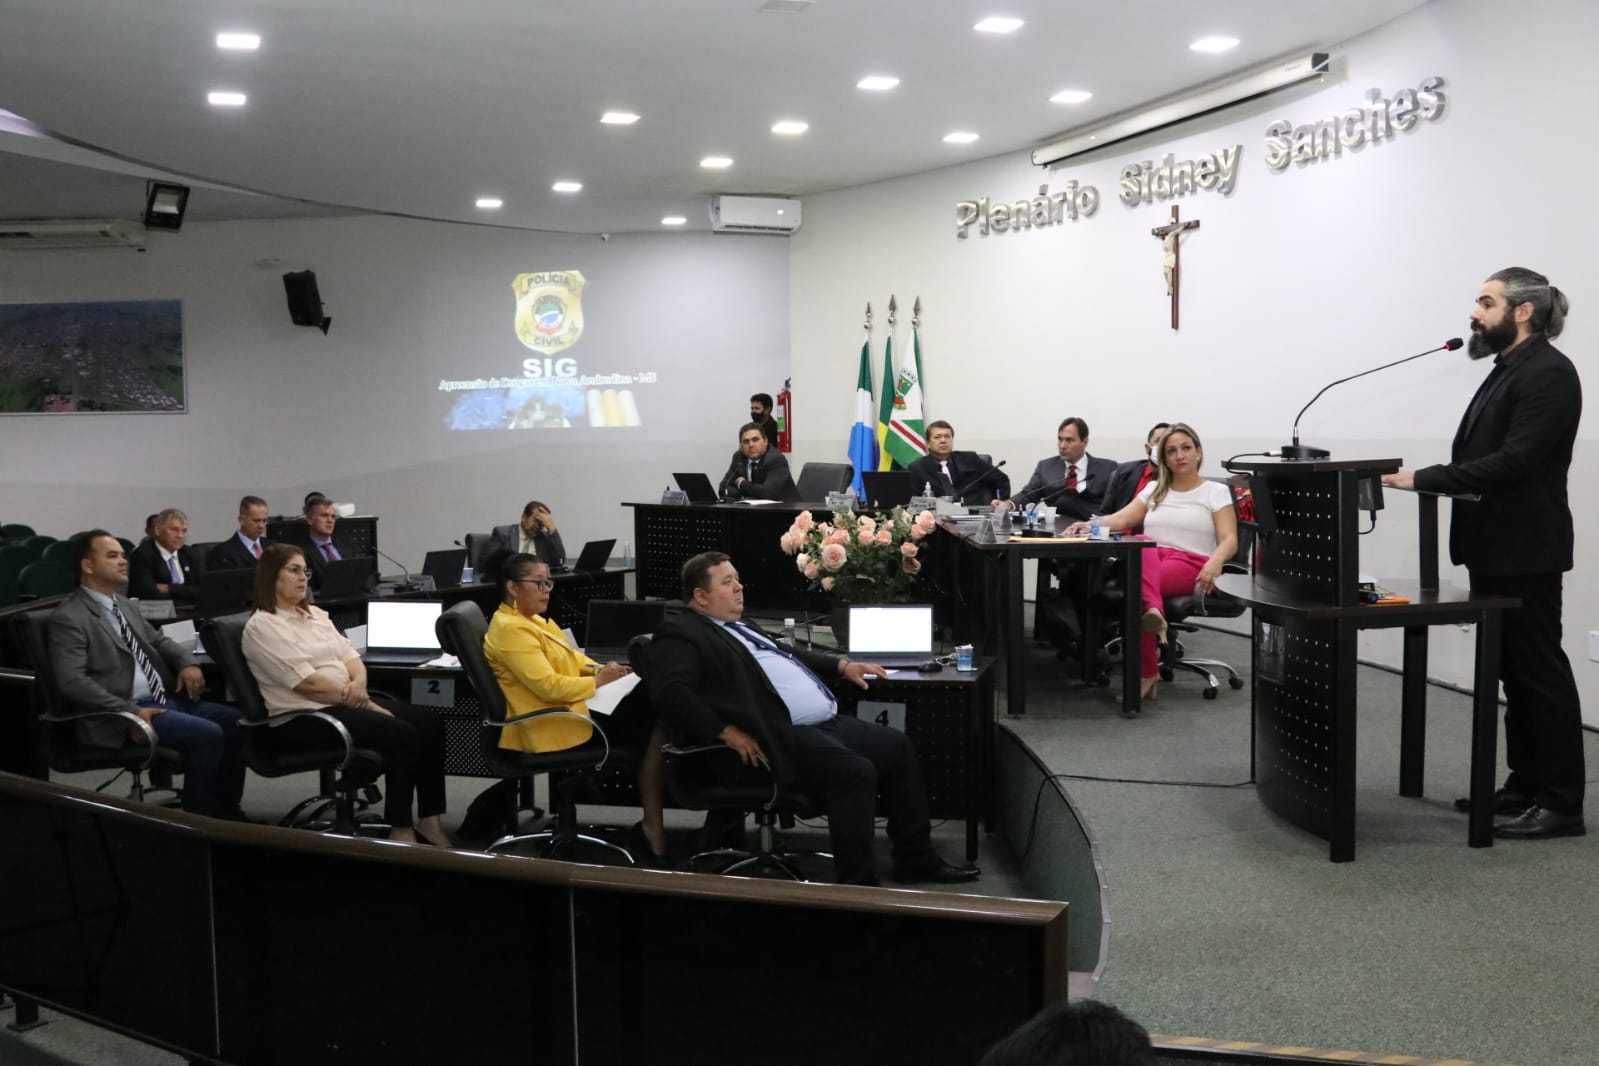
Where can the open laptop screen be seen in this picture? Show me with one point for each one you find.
(902, 629)
(402, 625)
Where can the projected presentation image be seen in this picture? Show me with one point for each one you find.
(557, 387)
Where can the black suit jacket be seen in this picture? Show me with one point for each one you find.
(772, 480)
(146, 570)
(318, 562)
(1123, 485)
(547, 544)
(1514, 448)
(980, 482)
(702, 678)
(231, 554)
(1047, 485)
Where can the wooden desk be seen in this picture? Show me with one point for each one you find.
(999, 612)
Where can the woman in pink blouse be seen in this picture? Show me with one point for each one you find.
(300, 660)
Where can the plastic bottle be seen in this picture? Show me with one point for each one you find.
(627, 554)
(788, 633)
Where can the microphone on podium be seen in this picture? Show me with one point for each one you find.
(1298, 451)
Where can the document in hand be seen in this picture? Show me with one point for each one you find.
(608, 696)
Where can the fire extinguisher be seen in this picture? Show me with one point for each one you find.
(784, 414)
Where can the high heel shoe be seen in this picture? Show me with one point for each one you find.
(1149, 689)
(640, 845)
(1155, 622)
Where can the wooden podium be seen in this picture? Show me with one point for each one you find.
(1307, 614)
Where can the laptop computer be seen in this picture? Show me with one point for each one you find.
(444, 567)
(897, 635)
(697, 487)
(221, 590)
(594, 556)
(401, 632)
(612, 623)
(888, 488)
(347, 578)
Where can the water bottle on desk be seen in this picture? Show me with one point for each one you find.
(627, 554)
(787, 639)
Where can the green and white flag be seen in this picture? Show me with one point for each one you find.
(906, 441)
(885, 408)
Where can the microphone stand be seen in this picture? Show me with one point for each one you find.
(971, 482)
(1298, 451)
(410, 582)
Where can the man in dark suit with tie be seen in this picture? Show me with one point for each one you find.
(240, 551)
(713, 677)
(535, 535)
(165, 567)
(758, 471)
(1513, 448)
(321, 543)
(1072, 481)
(950, 473)
(106, 657)
(1129, 479)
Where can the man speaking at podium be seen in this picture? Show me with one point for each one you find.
(1513, 448)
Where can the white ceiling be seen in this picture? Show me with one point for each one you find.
(419, 108)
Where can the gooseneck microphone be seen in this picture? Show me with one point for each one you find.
(960, 493)
(1298, 451)
(410, 582)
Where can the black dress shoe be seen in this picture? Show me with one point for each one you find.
(1536, 823)
(937, 872)
(1505, 802)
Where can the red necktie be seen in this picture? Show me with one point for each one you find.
(327, 551)
(256, 547)
(1071, 478)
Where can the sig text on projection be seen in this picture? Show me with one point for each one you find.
(1376, 119)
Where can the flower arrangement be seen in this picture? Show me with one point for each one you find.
(868, 558)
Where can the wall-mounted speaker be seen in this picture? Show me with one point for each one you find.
(305, 301)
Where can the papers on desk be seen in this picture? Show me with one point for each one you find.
(356, 635)
(445, 661)
(606, 697)
(757, 503)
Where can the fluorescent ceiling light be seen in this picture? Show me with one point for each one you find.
(959, 137)
(490, 203)
(239, 42)
(567, 186)
(998, 24)
(877, 83)
(790, 127)
(225, 99)
(673, 220)
(716, 162)
(619, 118)
(1214, 44)
(1071, 96)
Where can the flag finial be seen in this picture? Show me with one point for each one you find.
(893, 306)
(868, 316)
(916, 313)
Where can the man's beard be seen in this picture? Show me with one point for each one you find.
(1486, 340)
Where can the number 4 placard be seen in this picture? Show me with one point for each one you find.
(889, 714)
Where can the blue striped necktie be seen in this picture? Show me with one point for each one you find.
(760, 640)
(158, 691)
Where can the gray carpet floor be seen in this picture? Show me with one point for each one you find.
(1229, 923)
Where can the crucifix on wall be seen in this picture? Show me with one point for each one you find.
(1171, 261)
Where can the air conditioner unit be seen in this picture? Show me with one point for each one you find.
(70, 233)
(754, 214)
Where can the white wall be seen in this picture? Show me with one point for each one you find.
(1295, 278)
(276, 409)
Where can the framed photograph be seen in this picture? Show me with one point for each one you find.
(123, 357)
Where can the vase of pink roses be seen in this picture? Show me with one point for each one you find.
(869, 558)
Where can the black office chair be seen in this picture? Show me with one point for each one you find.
(479, 546)
(816, 480)
(1210, 605)
(344, 770)
(711, 777)
(461, 630)
(140, 751)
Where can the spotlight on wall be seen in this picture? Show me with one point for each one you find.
(164, 204)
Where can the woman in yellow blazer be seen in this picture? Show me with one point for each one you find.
(537, 668)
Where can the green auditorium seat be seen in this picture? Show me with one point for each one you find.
(46, 579)
(63, 552)
(15, 531)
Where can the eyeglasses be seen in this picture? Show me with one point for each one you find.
(542, 583)
(296, 570)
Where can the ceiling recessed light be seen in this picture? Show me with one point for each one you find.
(225, 99)
(959, 137)
(716, 162)
(490, 203)
(998, 24)
(877, 83)
(790, 127)
(239, 42)
(1214, 44)
(673, 220)
(567, 186)
(619, 118)
(1071, 96)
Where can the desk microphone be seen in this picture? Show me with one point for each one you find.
(1297, 451)
(1054, 492)
(410, 582)
(960, 493)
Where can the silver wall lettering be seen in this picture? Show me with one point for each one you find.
(1045, 209)
(1375, 120)
(1145, 182)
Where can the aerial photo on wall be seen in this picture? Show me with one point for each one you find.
(76, 358)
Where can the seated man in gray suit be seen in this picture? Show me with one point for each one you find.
(107, 657)
(1072, 481)
(535, 535)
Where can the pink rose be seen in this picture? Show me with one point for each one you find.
(912, 566)
(926, 521)
(788, 543)
(838, 536)
(803, 521)
(908, 550)
(833, 556)
(801, 562)
(827, 584)
(868, 524)
(866, 538)
(811, 571)
(918, 533)
(885, 537)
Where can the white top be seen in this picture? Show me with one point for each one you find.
(285, 648)
(1185, 520)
